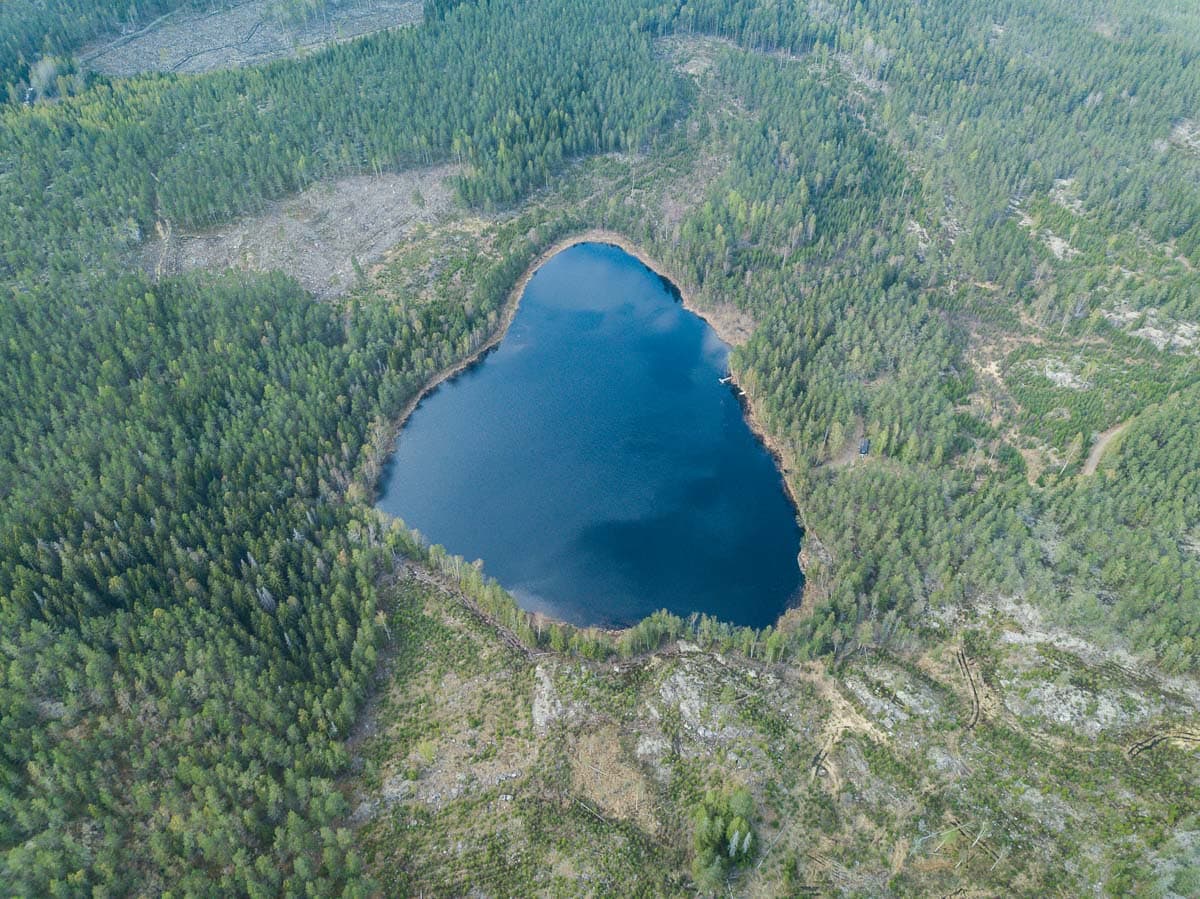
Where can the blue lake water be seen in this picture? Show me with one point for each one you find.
(596, 464)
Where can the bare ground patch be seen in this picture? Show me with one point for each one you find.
(241, 35)
(316, 236)
(1055, 244)
(1186, 134)
(1101, 444)
(850, 450)
(1163, 331)
(603, 774)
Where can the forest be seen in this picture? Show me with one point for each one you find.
(195, 593)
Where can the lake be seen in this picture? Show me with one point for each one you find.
(595, 462)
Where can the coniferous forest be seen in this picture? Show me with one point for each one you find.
(969, 232)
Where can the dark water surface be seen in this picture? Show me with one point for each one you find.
(595, 462)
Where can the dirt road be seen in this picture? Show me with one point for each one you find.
(1101, 444)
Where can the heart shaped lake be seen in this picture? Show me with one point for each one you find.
(598, 461)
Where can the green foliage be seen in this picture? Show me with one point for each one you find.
(1097, 386)
(32, 30)
(189, 580)
(1125, 539)
(722, 836)
(190, 623)
(508, 111)
(189, 605)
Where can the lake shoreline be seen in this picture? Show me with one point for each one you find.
(713, 320)
(723, 329)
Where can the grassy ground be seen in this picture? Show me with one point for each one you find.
(993, 761)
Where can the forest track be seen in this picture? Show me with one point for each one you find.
(964, 665)
(1101, 444)
(258, 26)
(843, 718)
(443, 584)
(238, 34)
(822, 767)
(1158, 737)
(126, 38)
(163, 227)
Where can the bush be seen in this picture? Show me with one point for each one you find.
(722, 836)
